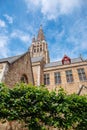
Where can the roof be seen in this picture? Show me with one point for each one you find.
(36, 59)
(82, 88)
(10, 59)
(58, 63)
(14, 58)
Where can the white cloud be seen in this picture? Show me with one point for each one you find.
(54, 8)
(35, 2)
(24, 37)
(9, 18)
(78, 35)
(4, 46)
(5, 41)
(73, 43)
(67, 6)
(2, 23)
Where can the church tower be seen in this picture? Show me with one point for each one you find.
(39, 46)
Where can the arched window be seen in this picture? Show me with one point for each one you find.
(24, 79)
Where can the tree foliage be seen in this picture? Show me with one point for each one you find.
(38, 108)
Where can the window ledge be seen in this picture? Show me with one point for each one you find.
(58, 83)
(83, 80)
(70, 82)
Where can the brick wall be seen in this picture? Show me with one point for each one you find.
(17, 69)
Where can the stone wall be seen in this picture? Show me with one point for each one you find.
(68, 87)
(3, 70)
(17, 126)
(38, 72)
(17, 69)
(74, 87)
(12, 126)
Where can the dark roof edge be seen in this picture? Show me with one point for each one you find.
(4, 62)
(20, 56)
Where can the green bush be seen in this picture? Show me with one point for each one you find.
(38, 107)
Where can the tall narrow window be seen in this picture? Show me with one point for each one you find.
(57, 78)
(46, 79)
(69, 76)
(81, 74)
(37, 49)
(40, 48)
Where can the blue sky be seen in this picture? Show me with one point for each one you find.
(64, 23)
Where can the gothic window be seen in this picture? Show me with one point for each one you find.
(81, 74)
(37, 49)
(24, 79)
(46, 79)
(40, 48)
(69, 76)
(57, 77)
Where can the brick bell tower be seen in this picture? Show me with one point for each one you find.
(39, 47)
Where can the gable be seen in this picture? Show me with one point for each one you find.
(18, 68)
(82, 90)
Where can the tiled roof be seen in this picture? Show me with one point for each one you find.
(76, 60)
(58, 63)
(10, 59)
(36, 59)
(14, 58)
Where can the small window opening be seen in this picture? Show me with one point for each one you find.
(24, 79)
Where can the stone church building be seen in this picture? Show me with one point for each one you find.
(35, 67)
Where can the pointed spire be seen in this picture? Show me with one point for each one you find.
(33, 39)
(40, 36)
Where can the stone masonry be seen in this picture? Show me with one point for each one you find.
(21, 66)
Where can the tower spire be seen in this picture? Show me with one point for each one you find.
(40, 36)
(33, 39)
(39, 47)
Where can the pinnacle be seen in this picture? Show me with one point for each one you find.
(40, 36)
(33, 39)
